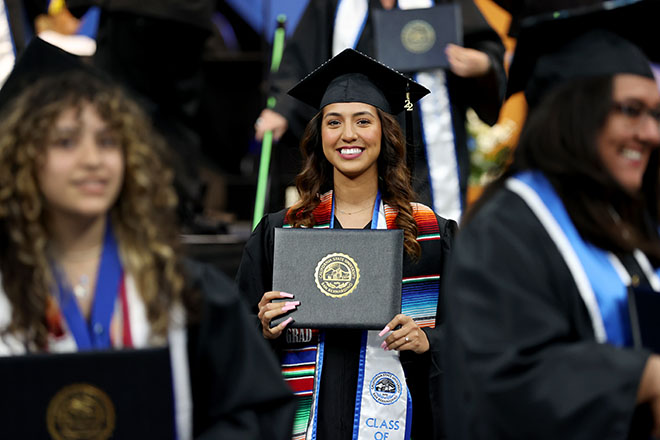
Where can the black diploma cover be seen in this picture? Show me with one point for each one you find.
(410, 40)
(119, 394)
(348, 278)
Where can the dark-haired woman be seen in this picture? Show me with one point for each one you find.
(539, 343)
(354, 176)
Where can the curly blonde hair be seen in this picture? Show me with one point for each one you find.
(143, 217)
(393, 179)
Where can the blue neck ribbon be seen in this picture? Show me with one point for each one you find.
(94, 334)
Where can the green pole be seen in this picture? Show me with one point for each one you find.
(267, 143)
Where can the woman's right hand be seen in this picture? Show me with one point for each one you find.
(268, 310)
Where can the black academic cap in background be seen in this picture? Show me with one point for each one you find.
(352, 76)
(610, 38)
(41, 59)
(521, 9)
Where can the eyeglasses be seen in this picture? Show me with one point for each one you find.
(634, 111)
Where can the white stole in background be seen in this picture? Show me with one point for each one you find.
(437, 127)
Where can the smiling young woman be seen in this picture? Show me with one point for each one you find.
(355, 176)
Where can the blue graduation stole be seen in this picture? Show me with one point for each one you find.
(605, 285)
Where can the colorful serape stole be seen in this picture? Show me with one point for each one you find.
(419, 300)
(419, 294)
(298, 370)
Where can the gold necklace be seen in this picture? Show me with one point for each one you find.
(369, 205)
(354, 212)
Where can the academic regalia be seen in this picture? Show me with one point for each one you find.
(521, 355)
(234, 381)
(538, 338)
(233, 374)
(342, 347)
(311, 44)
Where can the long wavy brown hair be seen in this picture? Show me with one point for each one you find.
(393, 178)
(143, 217)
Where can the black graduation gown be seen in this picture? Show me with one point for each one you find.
(311, 45)
(342, 347)
(521, 360)
(237, 387)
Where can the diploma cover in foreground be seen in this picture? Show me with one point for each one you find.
(347, 278)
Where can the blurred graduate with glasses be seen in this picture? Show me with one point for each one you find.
(540, 338)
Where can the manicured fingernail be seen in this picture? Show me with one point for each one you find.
(286, 295)
(385, 330)
(285, 323)
(290, 305)
(383, 345)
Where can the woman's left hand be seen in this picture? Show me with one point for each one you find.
(408, 337)
(466, 62)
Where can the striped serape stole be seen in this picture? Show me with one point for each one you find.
(298, 370)
(419, 294)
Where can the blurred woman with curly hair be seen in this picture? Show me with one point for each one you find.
(90, 256)
(355, 176)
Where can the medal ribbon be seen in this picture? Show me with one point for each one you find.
(94, 334)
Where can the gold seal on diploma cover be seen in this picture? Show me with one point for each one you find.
(337, 275)
(80, 411)
(418, 36)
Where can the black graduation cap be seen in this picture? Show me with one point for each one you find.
(521, 9)
(352, 76)
(38, 60)
(609, 38)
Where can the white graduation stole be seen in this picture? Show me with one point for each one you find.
(7, 49)
(438, 129)
(383, 407)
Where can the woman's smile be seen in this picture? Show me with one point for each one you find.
(349, 153)
(351, 137)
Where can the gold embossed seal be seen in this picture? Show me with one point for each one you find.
(80, 411)
(337, 275)
(418, 36)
